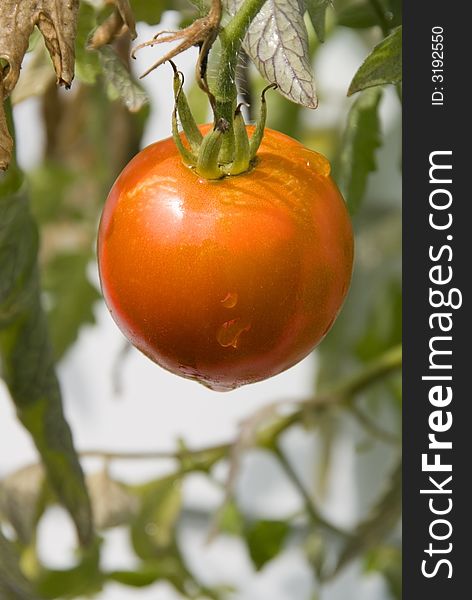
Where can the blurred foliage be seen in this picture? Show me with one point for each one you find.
(47, 296)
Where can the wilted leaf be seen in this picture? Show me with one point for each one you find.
(112, 504)
(317, 13)
(120, 81)
(265, 540)
(277, 42)
(358, 15)
(20, 494)
(71, 296)
(383, 65)
(57, 23)
(120, 20)
(381, 520)
(361, 140)
(13, 584)
(27, 359)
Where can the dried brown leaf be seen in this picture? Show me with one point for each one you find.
(112, 504)
(20, 494)
(57, 21)
(120, 20)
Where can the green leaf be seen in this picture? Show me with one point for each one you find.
(358, 16)
(120, 83)
(169, 568)
(28, 362)
(50, 183)
(384, 325)
(277, 43)
(381, 520)
(382, 66)
(87, 64)
(265, 540)
(361, 140)
(153, 529)
(388, 561)
(71, 297)
(150, 11)
(317, 13)
(18, 248)
(315, 551)
(378, 269)
(395, 12)
(230, 520)
(13, 584)
(83, 580)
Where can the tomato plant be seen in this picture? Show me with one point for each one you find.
(231, 281)
(225, 254)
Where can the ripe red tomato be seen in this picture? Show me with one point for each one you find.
(231, 281)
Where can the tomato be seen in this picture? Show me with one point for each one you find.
(232, 281)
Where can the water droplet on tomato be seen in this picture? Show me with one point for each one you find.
(230, 332)
(217, 387)
(316, 162)
(230, 300)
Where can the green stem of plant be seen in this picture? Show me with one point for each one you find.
(385, 364)
(310, 506)
(231, 38)
(155, 455)
(387, 437)
(224, 88)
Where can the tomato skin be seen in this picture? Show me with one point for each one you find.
(231, 281)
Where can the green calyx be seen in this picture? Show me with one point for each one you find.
(208, 154)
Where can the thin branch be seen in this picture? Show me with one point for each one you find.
(154, 454)
(387, 437)
(310, 504)
(385, 364)
(344, 393)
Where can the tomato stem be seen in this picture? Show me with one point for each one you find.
(224, 88)
(241, 159)
(258, 134)
(189, 125)
(227, 149)
(207, 163)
